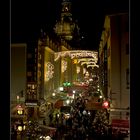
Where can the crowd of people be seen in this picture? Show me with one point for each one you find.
(77, 124)
(81, 124)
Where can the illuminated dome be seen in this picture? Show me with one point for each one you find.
(65, 27)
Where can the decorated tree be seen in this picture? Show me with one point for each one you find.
(100, 122)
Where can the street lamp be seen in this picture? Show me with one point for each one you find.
(48, 138)
(67, 101)
(84, 112)
(20, 128)
(73, 91)
(19, 110)
(100, 96)
(53, 94)
(61, 88)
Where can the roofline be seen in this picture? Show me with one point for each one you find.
(117, 14)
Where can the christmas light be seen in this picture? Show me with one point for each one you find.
(92, 66)
(76, 54)
(78, 69)
(84, 70)
(49, 71)
(105, 104)
(63, 66)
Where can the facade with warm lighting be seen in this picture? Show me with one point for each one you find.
(18, 72)
(18, 82)
(51, 73)
(114, 60)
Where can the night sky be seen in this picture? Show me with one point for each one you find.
(28, 17)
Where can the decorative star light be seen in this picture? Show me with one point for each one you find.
(49, 71)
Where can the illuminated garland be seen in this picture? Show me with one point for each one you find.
(76, 54)
(90, 62)
(78, 69)
(94, 63)
(63, 66)
(88, 59)
(49, 71)
(93, 66)
(84, 70)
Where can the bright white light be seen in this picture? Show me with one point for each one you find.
(84, 112)
(73, 96)
(19, 128)
(48, 138)
(53, 94)
(73, 91)
(17, 97)
(91, 79)
(88, 113)
(68, 101)
(61, 89)
(101, 96)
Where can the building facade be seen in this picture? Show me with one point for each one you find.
(114, 60)
(18, 72)
(17, 82)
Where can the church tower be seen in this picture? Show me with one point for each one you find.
(65, 27)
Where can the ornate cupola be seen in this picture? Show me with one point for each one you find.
(65, 26)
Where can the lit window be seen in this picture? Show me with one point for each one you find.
(29, 55)
(33, 86)
(29, 73)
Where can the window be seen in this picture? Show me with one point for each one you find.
(127, 78)
(29, 55)
(109, 77)
(35, 49)
(29, 73)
